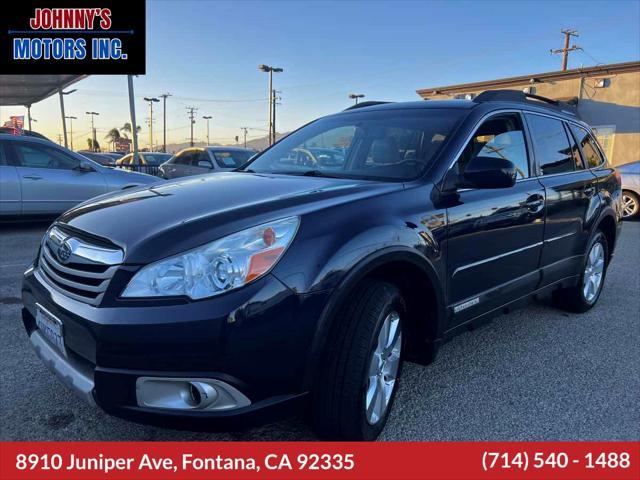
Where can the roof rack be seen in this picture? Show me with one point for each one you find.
(516, 96)
(364, 104)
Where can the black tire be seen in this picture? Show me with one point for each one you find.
(631, 201)
(338, 399)
(573, 299)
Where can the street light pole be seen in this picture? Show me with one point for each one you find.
(64, 123)
(71, 119)
(270, 70)
(164, 121)
(356, 96)
(151, 100)
(207, 118)
(132, 112)
(93, 132)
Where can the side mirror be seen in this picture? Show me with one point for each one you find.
(205, 164)
(85, 167)
(490, 172)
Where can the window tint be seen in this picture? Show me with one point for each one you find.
(551, 145)
(3, 158)
(575, 151)
(589, 148)
(182, 158)
(202, 156)
(232, 158)
(501, 137)
(37, 156)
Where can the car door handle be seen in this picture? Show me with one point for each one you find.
(535, 203)
(32, 177)
(590, 190)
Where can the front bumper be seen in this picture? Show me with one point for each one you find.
(255, 339)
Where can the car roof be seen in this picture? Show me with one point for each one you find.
(485, 106)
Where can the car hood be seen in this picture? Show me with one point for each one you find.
(160, 220)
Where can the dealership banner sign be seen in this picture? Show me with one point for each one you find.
(308, 460)
(73, 37)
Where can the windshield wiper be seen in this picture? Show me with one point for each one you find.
(317, 173)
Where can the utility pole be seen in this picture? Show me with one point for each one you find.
(274, 99)
(60, 139)
(568, 33)
(356, 96)
(270, 70)
(207, 118)
(192, 113)
(71, 118)
(93, 131)
(151, 100)
(244, 131)
(164, 121)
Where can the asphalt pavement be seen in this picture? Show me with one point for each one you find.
(534, 374)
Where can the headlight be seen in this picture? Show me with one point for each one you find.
(216, 267)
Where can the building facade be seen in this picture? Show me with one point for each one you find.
(607, 97)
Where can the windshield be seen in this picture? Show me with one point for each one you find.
(156, 158)
(392, 145)
(232, 158)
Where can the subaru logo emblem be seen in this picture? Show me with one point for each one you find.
(64, 252)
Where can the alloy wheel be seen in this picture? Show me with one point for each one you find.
(593, 272)
(383, 368)
(629, 205)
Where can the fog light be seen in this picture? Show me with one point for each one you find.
(188, 394)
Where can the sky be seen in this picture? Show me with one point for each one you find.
(206, 54)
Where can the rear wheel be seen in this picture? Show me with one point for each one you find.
(362, 365)
(585, 295)
(630, 205)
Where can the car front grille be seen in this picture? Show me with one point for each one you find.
(75, 267)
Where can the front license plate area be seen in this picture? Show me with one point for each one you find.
(51, 327)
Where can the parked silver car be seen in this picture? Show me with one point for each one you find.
(200, 160)
(38, 177)
(630, 173)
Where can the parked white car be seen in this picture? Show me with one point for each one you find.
(201, 160)
(38, 177)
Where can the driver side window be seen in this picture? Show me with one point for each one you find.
(37, 156)
(498, 137)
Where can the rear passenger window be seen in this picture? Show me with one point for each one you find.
(589, 148)
(551, 145)
(575, 151)
(501, 137)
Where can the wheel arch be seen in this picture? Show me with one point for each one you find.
(608, 226)
(419, 284)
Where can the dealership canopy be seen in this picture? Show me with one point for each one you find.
(29, 89)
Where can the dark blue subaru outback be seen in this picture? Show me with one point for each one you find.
(309, 275)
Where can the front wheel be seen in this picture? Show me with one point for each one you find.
(358, 379)
(585, 295)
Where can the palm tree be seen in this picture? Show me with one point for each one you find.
(112, 136)
(127, 129)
